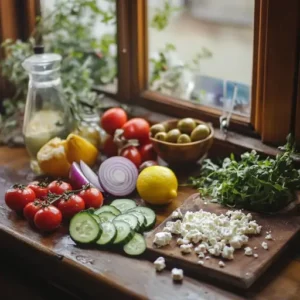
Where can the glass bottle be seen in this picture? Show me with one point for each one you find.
(47, 115)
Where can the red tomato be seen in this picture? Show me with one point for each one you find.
(18, 196)
(113, 119)
(147, 152)
(92, 197)
(59, 187)
(73, 205)
(31, 209)
(40, 189)
(48, 218)
(132, 154)
(136, 128)
(109, 147)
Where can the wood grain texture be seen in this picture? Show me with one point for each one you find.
(93, 272)
(243, 271)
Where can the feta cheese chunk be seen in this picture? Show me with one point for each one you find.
(228, 252)
(173, 227)
(162, 239)
(181, 241)
(160, 264)
(236, 242)
(221, 264)
(194, 236)
(201, 248)
(176, 214)
(177, 274)
(255, 255)
(269, 237)
(186, 249)
(265, 245)
(201, 255)
(248, 251)
(201, 262)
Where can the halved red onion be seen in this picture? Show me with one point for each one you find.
(118, 176)
(90, 175)
(76, 176)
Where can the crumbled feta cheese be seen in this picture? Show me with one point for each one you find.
(255, 255)
(181, 241)
(255, 248)
(202, 248)
(228, 252)
(265, 245)
(177, 214)
(186, 249)
(248, 251)
(173, 227)
(160, 264)
(162, 239)
(194, 236)
(207, 257)
(221, 264)
(177, 274)
(201, 255)
(236, 242)
(269, 237)
(201, 262)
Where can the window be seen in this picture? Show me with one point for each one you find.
(270, 73)
(201, 51)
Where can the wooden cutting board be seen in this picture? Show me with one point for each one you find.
(243, 271)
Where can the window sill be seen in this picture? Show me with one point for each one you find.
(222, 146)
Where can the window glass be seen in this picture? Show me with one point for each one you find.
(202, 51)
(85, 30)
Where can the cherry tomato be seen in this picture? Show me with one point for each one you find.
(136, 128)
(71, 206)
(92, 197)
(147, 152)
(48, 218)
(109, 147)
(18, 196)
(113, 119)
(132, 154)
(31, 209)
(59, 187)
(40, 189)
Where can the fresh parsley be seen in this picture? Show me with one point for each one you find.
(264, 185)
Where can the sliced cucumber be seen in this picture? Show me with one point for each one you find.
(149, 215)
(130, 219)
(107, 208)
(123, 205)
(84, 228)
(141, 218)
(109, 233)
(96, 218)
(106, 217)
(124, 232)
(136, 246)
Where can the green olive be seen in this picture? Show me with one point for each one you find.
(200, 133)
(173, 135)
(183, 139)
(161, 136)
(157, 128)
(186, 125)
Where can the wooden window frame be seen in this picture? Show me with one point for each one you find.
(272, 83)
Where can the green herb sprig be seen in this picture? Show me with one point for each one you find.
(263, 185)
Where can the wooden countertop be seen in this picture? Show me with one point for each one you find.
(55, 259)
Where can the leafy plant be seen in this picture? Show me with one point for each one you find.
(264, 185)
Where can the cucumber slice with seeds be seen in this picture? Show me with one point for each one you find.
(106, 217)
(107, 208)
(109, 233)
(141, 218)
(149, 215)
(84, 228)
(130, 219)
(123, 205)
(136, 246)
(124, 233)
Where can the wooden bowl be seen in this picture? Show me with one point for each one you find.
(178, 154)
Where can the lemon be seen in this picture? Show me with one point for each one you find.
(52, 158)
(78, 148)
(157, 185)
